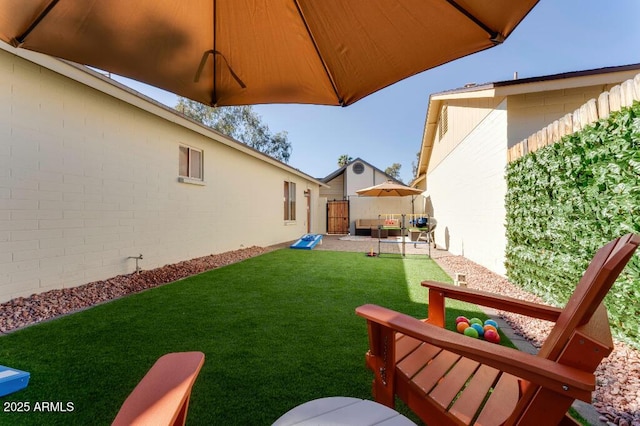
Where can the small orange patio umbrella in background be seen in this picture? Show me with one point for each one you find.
(391, 189)
(242, 52)
(388, 189)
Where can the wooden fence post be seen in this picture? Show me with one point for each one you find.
(622, 95)
(603, 105)
(577, 123)
(627, 93)
(614, 99)
(591, 111)
(556, 131)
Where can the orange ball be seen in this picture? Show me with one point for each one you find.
(490, 327)
(461, 326)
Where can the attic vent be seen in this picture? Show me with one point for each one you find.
(358, 168)
(443, 124)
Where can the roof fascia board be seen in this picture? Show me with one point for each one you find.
(430, 126)
(417, 180)
(608, 75)
(566, 83)
(334, 174)
(475, 93)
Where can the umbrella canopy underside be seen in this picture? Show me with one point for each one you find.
(240, 52)
(388, 189)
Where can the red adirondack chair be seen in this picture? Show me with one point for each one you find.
(450, 379)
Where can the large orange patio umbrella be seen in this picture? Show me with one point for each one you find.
(241, 52)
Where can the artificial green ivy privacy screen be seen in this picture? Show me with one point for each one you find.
(568, 199)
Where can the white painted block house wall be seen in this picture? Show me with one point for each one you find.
(89, 176)
(467, 192)
(464, 151)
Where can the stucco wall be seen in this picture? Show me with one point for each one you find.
(463, 116)
(467, 194)
(371, 207)
(87, 180)
(369, 177)
(530, 112)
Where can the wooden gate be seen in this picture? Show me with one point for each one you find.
(338, 217)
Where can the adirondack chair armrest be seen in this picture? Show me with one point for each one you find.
(559, 378)
(162, 396)
(439, 291)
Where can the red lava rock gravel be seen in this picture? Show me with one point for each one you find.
(24, 311)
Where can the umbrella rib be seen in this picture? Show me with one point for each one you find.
(214, 95)
(203, 61)
(494, 36)
(20, 39)
(315, 45)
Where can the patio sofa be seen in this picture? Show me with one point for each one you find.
(364, 226)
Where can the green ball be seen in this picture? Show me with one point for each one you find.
(475, 321)
(471, 332)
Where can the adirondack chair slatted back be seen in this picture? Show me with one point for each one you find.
(596, 282)
(581, 337)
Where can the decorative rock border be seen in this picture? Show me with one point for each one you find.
(24, 311)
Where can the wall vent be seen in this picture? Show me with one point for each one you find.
(358, 168)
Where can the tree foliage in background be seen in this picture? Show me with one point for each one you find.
(415, 164)
(567, 200)
(241, 123)
(394, 171)
(343, 160)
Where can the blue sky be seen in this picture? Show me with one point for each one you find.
(386, 127)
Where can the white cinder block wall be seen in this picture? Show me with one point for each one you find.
(372, 207)
(87, 180)
(369, 177)
(467, 192)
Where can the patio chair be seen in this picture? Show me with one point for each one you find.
(429, 234)
(448, 378)
(162, 396)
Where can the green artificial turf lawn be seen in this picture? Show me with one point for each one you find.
(277, 330)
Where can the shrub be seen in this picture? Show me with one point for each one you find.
(568, 199)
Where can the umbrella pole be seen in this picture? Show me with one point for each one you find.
(379, 235)
(402, 229)
(429, 234)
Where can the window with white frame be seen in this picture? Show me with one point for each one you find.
(190, 163)
(289, 201)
